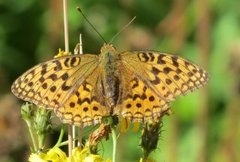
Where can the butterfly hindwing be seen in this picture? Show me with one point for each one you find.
(86, 106)
(137, 101)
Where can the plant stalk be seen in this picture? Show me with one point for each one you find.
(35, 148)
(114, 138)
(66, 40)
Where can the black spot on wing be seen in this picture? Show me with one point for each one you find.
(58, 66)
(41, 79)
(53, 88)
(143, 57)
(85, 109)
(178, 71)
(30, 84)
(65, 87)
(66, 62)
(135, 83)
(151, 98)
(44, 69)
(160, 59)
(176, 77)
(45, 85)
(142, 97)
(72, 104)
(80, 101)
(166, 70)
(128, 105)
(151, 56)
(64, 76)
(155, 81)
(155, 70)
(53, 77)
(139, 105)
(174, 60)
(73, 61)
(95, 108)
(168, 81)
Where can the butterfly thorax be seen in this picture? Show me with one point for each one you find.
(110, 79)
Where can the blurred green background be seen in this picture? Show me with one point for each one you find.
(205, 125)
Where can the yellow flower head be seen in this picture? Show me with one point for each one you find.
(55, 155)
(125, 125)
(34, 157)
(148, 160)
(84, 155)
(61, 53)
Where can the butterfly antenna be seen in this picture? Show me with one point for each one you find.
(79, 9)
(123, 29)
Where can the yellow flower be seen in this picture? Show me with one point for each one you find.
(55, 155)
(125, 125)
(84, 155)
(34, 157)
(148, 160)
(78, 155)
(93, 158)
(61, 53)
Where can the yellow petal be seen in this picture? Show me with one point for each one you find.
(124, 125)
(136, 126)
(78, 155)
(34, 157)
(93, 158)
(61, 53)
(148, 160)
(56, 155)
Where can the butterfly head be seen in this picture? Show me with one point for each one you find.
(108, 48)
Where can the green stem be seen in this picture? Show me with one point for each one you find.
(145, 156)
(58, 144)
(41, 139)
(114, 138)
(35, 148)
(63, 143)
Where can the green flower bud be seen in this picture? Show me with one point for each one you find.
(27, 111)
(150, 137)
(42, 122)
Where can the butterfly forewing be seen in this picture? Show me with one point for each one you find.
(158, 79)
(169, 75)
(58, 82)
(53, 80)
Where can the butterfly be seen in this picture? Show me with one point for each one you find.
(82, 89)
